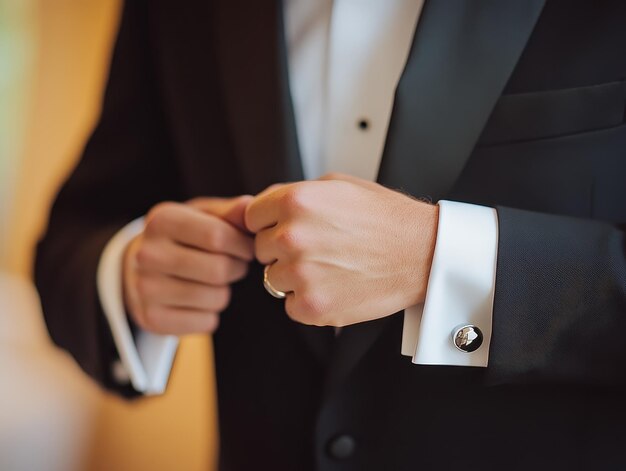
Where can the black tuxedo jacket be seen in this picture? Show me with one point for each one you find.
(517, 105)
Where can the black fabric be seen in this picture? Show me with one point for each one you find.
(564, 333)
(537, 115)
(197, 104)
(128, 165)
(460, 60)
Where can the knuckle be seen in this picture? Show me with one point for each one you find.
(158, 216)
(313, 307)
(146, 257)
(296, 199)
(290, 238)
(212, 322)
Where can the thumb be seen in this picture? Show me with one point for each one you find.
(231, 210)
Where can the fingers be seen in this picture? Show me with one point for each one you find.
(231, 210)
(189, 226)
(283, 242)
(265, 247)
(175, 293)
(264, 210)
(168, 258)
(177, 273)
(177, 321)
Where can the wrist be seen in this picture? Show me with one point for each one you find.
(424, 238)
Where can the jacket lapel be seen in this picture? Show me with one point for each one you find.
(253, 60)
(461, 58)
(253, 65)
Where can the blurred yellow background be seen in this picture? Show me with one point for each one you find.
(54, 56)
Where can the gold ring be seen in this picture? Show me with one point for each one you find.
(268, 286)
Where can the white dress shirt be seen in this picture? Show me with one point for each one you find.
(345, 58)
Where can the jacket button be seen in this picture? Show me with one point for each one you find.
(341, 447)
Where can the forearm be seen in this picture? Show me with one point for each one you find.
(560, 300)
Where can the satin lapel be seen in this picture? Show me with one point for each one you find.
(462, 55)
(252, 55)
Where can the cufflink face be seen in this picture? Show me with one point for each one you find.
(467, 338)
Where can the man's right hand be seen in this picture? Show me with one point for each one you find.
(177, 273)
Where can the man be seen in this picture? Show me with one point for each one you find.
(510, 300)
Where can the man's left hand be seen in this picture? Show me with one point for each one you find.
(345, 250)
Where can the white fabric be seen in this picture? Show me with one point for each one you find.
(460, 288)
(345, 58)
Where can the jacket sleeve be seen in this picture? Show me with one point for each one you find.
(560, 301)
(127, 167)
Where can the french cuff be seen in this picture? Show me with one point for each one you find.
(453, 326)
(146, 359)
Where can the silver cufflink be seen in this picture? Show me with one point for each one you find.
(467, 338)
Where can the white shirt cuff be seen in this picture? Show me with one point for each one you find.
(147, 360)
(460, 290)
